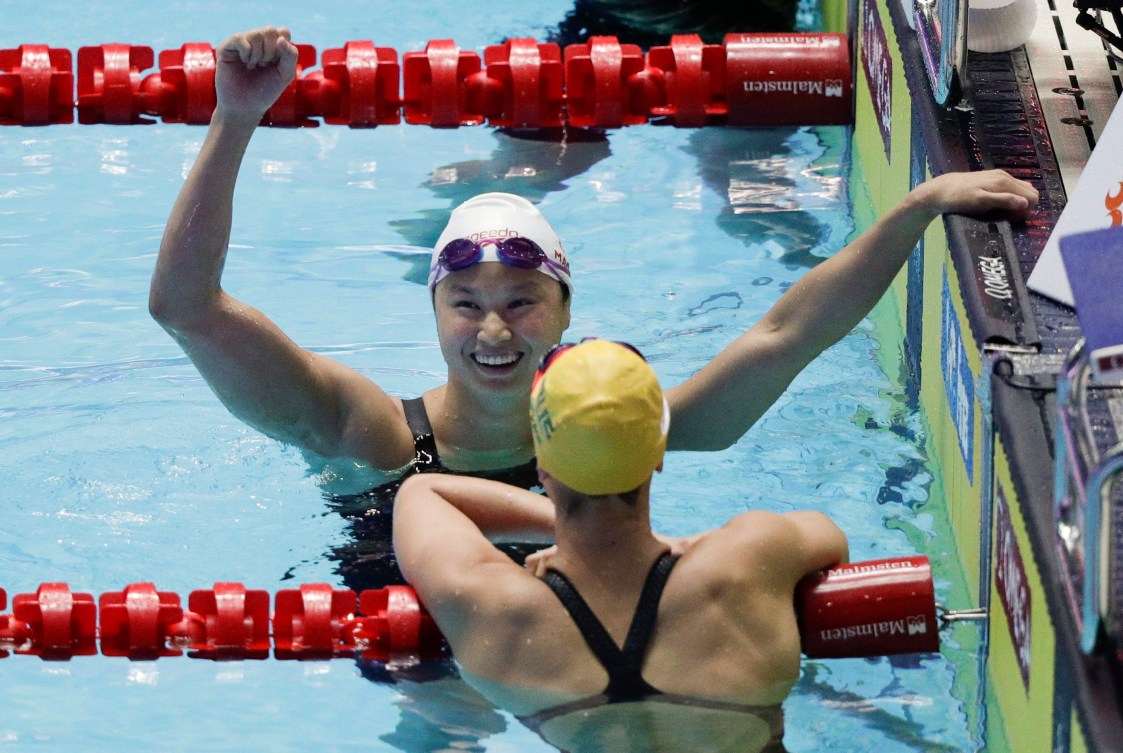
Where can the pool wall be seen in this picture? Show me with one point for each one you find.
(989, 440)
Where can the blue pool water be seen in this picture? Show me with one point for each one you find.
(117, 464)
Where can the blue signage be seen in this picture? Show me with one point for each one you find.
(959, 382)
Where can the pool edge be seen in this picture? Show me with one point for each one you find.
(990, 440)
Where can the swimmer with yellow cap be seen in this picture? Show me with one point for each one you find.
(613, 614)
(599, 417)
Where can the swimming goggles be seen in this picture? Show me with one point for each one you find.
(518, 252)
(550, 355)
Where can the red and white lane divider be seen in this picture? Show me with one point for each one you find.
(228, 621)
(871, 608)
(749, 80)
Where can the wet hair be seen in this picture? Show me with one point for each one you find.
(571, 502)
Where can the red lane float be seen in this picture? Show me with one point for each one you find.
(779, 79)
(687, 81)
(61, 624)
(314, 621)
(750, 79)
(601, 84)
(226, 622)
(185, 84)
(12, 633)
(358, 86)
(36, 86)
(528, 82)
(109, 84)
(435, 85)
(872, 608)
(396, 621)
(136, 622)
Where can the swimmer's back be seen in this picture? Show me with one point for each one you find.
(725, 627)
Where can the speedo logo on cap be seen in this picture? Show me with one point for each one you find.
(500, 233)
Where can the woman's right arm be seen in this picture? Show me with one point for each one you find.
(261, 375)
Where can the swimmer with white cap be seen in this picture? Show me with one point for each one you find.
(502, 288)
(504, 228)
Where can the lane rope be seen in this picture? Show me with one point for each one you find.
(873, 608)
(748, 80)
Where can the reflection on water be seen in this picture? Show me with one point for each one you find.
(120, 464)
(762, 199)
(652, 22)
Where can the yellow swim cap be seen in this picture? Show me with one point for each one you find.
(599, 418)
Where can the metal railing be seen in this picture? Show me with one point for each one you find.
(941, 26)
(1084, 505)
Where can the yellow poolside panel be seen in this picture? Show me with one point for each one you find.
(884, 181)
(961, 490)
(834, 16)
(887, 178)
(1023, 685)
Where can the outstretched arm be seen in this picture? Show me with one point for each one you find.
(716, 406)
(255, 369)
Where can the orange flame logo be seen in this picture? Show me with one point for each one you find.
(1113, 204)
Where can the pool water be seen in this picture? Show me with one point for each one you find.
(117, 463)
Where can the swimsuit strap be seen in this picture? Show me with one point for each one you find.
(624, 667)
(426, 458)
(643, 624)
(424, 443)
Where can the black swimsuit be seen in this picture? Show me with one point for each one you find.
(625, 666)
(625, 681)
(428, 460)
(367, 561)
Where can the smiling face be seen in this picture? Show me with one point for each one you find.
(494, 324)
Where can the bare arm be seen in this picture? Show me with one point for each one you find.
(443, 526)
(261, 375)
(716, 406)
(779, 549)
(492, 509)
(819, 543)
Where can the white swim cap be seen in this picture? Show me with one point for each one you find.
(491, 218)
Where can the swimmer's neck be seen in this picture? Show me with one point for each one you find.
(614, 539)
(480, 428)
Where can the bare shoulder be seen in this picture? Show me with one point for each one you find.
(497, 605)
(493, 588)
(371, 423)
(759, 529)
(797, 528)
(778, 548)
